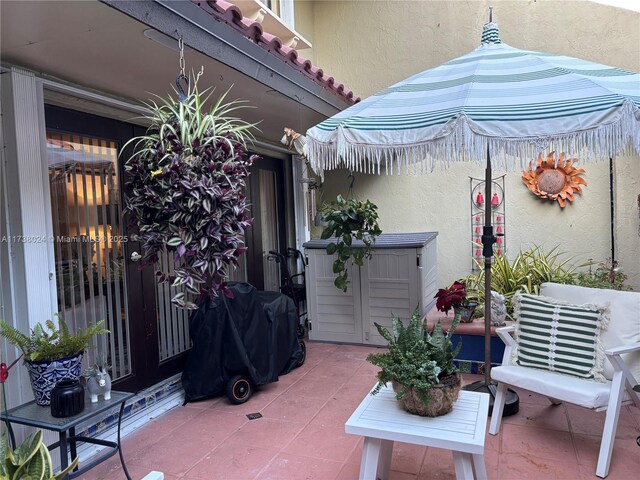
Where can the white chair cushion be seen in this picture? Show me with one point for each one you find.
(624, 311)
(586, 393)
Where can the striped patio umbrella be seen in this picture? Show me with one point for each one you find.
(515, 102)
(497, 104)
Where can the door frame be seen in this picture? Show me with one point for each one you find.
(253, 238)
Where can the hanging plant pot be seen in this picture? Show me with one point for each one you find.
(347, 221)
(186, 192)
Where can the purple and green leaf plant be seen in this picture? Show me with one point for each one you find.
(185, 192)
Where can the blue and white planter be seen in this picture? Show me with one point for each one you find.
(46, 373)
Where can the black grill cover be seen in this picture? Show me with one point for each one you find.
(252, 334)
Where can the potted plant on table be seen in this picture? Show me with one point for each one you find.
(420, 366)
(455, 297)
(51, 352)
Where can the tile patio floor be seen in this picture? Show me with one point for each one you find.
(301, 434)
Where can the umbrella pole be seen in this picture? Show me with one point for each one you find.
(512, 402)
(488, 239)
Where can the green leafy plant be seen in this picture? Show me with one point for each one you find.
(526, 272)
(31, 460)
(185, 192)
(608, 275)
(415, 357)
(49, 342)
(349, 220)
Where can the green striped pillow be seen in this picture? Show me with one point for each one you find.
(559, 337)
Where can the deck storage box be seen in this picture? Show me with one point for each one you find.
(401, 275)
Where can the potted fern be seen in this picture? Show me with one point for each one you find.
(420, 366)
(51, 352)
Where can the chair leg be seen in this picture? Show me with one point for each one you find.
(610, 424)
(498, 408)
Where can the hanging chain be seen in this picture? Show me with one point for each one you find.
(181, 48)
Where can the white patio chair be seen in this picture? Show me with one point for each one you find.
(621, 342)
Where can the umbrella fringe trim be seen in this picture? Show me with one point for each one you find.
(620, 137)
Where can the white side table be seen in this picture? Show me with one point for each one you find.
(382, 421)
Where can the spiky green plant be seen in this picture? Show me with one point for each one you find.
(349, 220)
(31, 460)
(185, 192)
(526, 272)
(415, 358)
(49, 342)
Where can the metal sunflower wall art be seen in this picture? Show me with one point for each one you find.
(554, 182)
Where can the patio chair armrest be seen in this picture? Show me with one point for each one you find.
(509, 343)
(621, 369)
(632, 347)
(505, 335)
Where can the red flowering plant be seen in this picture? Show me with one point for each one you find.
(453, 297)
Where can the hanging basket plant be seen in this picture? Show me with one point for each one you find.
(349, 220)
(185, 191)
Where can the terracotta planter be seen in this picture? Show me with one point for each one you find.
(441, 397)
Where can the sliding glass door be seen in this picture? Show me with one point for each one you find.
(95, 277)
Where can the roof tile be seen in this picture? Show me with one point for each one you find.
(231, 14)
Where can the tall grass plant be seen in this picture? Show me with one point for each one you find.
(526, 272)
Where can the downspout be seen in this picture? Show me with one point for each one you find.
(613, 213)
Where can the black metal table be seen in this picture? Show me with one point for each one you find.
(40, 417)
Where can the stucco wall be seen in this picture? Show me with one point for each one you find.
(627, 208)
(370, 45)
(304, 18)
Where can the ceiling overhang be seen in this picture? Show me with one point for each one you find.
(216, 40)
(101, 48)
